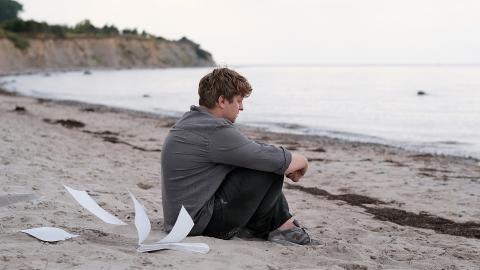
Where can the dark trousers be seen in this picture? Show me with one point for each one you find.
(248, 199)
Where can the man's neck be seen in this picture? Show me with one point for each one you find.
(215, 111)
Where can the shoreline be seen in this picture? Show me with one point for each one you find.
(83, 69)
(272, 129)
(354, 197)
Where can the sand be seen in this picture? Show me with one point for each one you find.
(372, 206)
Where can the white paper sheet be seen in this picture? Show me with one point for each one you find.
(86, 201)
(191, 247)
(49, 234)
(142, 222)
(181, 229)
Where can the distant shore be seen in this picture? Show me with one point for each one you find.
(86, 70)
(49, 71)
(373, 206)
(89, 52)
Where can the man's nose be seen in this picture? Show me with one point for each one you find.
(241, 107)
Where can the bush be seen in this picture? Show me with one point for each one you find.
(132, 32)
(203, 54)
(9, 10)
(18, 41)
(84, 27)
(33, 27)
(109, 30)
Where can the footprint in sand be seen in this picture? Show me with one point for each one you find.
(144, 185)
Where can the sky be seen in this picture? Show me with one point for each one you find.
(306, 32)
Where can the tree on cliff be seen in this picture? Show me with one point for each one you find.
(9, 10)
(85, 27)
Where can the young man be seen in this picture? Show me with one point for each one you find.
(230, 184)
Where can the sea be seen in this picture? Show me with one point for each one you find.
(365, 103)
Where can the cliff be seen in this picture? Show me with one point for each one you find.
(99, 52)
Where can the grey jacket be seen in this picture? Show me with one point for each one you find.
(199, 151)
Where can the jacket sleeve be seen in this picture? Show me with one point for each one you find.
(229, 146)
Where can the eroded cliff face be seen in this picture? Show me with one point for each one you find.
(107, 52)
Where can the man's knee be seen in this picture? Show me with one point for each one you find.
(247, 181)
(254, 176)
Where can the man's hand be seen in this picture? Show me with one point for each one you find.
(297, 168)
(295, 176)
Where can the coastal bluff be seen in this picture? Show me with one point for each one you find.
(51, 54)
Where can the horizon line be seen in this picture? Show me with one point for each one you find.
(350, 64)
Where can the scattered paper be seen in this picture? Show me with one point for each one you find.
(190, 247)
(86, 201)
(7, 199)
(49, 234)
(181, 229)
(142, 222)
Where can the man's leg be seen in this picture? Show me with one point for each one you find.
(272, 210)
(248, 198)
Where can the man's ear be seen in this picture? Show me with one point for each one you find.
(221, 102)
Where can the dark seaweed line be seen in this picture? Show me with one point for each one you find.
(107, 136)
(398, 216)
(112, 139)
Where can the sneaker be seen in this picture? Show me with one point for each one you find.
(295, 236)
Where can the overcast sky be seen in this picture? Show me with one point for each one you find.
(293, 31)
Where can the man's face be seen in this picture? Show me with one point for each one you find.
(231, 110)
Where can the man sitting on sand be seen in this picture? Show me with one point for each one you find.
(230, 185)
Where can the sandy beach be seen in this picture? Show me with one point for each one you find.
(372, 206)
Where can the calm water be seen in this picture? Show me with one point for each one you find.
(362, 103)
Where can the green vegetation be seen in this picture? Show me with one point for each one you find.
(9, 10)
(199, 51)
(17, 40)
(31, 27)
(83, 28)
(12, 25)
(18, 30)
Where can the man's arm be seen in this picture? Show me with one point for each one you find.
(228, 146)
(297, 168)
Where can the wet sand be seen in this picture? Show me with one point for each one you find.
(372, 206)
